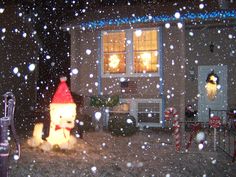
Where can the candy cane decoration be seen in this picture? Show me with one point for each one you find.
(177, 132)
(172, 113)
(195, 129)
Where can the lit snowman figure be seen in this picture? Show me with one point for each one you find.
(62, 114)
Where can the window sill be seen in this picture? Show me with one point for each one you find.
(112, 75)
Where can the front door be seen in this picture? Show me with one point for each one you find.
(207, 77)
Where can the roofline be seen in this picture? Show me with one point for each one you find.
(188, 17)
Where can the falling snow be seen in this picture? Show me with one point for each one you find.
(44, 40)
(31, 67)
(88, 51)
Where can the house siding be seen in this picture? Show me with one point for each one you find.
(178, 88)
(146, 86)
(174, 72)
(198, 53)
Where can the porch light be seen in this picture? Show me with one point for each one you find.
(113, 61)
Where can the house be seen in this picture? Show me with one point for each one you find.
(155, 56)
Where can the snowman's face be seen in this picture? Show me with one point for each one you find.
(63, 114)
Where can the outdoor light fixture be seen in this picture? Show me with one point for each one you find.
(212, 47)
(212, 85)
(192, 73)
(113, 62)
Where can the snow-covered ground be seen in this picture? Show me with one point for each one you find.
(145, 154)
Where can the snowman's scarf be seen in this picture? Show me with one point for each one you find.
(58, 127)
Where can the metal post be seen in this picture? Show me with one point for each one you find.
(5, 122)
(4, 146)
(219, 136)
(209, 113)
(234, 155)
(214, 139)
(229, 140)
(224, 140)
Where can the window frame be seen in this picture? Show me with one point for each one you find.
(129, 69)
(133, 110)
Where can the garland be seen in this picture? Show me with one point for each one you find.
(209, 78)
(104, 101)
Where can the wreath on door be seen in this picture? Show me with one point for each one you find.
(212, 85)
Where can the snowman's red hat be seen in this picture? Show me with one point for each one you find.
(63, 94)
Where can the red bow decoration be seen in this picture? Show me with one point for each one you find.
(58, 127)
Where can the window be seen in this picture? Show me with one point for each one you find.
(130, 52)
(145, 51)
(114, 52)
(147, 112)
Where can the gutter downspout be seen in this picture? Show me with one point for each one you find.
(161, 78)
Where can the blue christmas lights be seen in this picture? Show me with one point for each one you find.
(162, 18)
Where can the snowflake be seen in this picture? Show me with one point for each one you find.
(31, 67)
(94, 169)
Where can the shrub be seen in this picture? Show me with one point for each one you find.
(122, 124)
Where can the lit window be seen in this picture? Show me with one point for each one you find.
(130, 52)
(114, 52)
(145, 51)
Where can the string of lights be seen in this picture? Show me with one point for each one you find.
(222, 14)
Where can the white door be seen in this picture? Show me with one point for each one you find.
(220, 100)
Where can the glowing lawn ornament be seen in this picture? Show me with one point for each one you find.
(62, 114)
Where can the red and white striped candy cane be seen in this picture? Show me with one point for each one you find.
(177, 132)
(170, 113)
